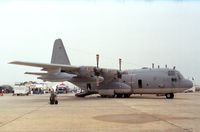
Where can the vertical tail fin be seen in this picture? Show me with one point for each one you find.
(59, 55)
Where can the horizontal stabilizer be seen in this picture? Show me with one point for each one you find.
(49, 67)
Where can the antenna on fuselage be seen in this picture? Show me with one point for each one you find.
(166, 66)
(158, 66)
(152, 65)
(174, 67)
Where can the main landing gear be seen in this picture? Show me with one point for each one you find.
(169, 95)
(116, 95)
(123, 95)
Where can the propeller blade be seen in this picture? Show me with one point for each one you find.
(97, 59)
(97, 73)
(97, 81)
(119, 74)
(120, 64)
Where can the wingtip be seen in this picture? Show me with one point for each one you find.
(28, 73)
(12, 62)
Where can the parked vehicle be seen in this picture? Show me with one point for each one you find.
(6, 88)
(61, 89)
(21, 90)
(1, 92)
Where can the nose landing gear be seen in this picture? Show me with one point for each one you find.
(169, 95)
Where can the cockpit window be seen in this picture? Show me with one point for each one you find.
(180, 76)
(171, 73)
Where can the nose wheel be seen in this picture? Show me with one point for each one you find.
(169, 95)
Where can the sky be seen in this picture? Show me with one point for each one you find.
(139, 32)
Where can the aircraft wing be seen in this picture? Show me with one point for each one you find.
(49, 67)
(36, 73)
(107, 74)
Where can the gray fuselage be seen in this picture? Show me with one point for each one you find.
(141, 81)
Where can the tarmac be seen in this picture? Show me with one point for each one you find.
(146, 113)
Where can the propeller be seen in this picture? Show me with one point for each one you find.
(97, 59)
(119, 73)
(120, 64)
(97, 70)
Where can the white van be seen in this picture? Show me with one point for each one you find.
(21, 90)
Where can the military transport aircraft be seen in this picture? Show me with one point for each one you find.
(109, 82)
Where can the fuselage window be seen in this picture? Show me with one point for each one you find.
(140, 83)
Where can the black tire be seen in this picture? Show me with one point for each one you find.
(169, 95)
(119, 95)
(51, 102)
(103, 96)
(172, 95)
(56, 102)
(127, 95)
(112, 96)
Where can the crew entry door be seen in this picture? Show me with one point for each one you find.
(140, 83)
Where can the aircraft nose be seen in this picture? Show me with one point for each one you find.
(189, 84)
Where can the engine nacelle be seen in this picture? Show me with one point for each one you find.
(87, 75)
(86, 71)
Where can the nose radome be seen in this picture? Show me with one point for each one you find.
(189, 83)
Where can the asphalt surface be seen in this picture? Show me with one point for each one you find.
(147, 113)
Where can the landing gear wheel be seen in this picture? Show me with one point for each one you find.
(103, 96)
(127, 95)
(169, 95)
(51, 102)
(119, 95)
(107, 96)
(111, 96)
